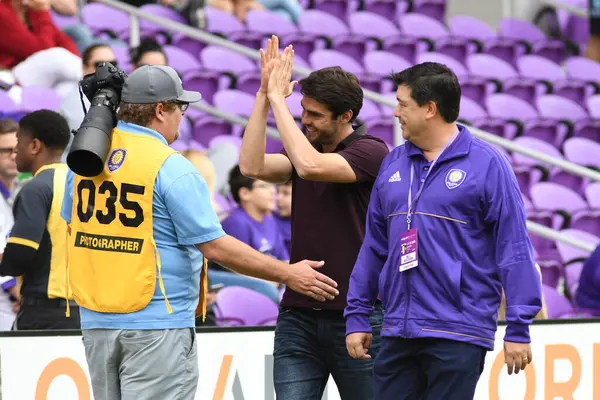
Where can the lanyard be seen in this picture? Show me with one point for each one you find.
(411, 201)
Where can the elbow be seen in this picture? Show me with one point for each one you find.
(248, 170)
(307, 170)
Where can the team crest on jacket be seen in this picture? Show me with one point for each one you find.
(116, 159)
(455, 178)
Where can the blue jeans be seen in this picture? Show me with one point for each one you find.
(427, 369)
(232, 279)
(310, 345)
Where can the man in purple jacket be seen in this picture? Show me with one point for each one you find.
(445, 233)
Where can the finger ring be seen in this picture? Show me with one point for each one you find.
(524, 358)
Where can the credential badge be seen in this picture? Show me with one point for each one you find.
(455, 178)
(116, 159)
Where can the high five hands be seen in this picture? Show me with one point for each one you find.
(276, 69)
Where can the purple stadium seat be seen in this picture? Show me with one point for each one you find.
(237, 305)
(331, 58)
(102, 19)
(182, 61)
(332, 28)
(382, 64)
(370, 26)
(531, 35)
(562, 201)
(483, 38)
(593, 106)
(556, 304)
(470, 110)
(511, 111)
(456, 66)
(527, 176)
(501, 74)
(206, 82)
(219, 21)
(338, 8)
(386, 8)
(268, 22)
(551, 77)
(322, 23)
(436, 36)
(160, 11)
(592, 195)
(574, 27)
(584, 69)
(369, 111)
(561, 109)
(37, 98)
(122, 57)
(435, 9)
(382, 127)
(569, 253)
(572, 274)
(582, 151)
(208, 127)
(192, 46)
(245, 71)
(7, 105)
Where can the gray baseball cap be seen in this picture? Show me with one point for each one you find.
(155, 84)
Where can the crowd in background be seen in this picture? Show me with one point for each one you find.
(31, 44)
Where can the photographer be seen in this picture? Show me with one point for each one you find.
(141, 228)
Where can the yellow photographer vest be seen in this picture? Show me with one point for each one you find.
(113, 259)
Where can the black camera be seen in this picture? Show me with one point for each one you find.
(91, 144)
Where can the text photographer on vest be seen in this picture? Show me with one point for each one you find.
(139, 233)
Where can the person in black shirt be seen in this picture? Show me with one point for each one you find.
(36, 248)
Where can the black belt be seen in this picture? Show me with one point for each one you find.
(38, 302)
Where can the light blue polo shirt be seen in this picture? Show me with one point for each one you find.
(182, 217)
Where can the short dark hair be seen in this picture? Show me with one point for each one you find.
(8, 125)
(335, 88)
(435, 82)
(48, 127)
(238, 181)
(87, 53)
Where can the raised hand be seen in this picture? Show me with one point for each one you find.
(267, 62)
(304, 279)
(280, 83)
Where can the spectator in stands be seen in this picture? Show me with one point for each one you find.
(35, 49)
(284, 212)
(36, 246)
(165, 215)
(588, 292)
(149, 52)
(288, 9)
(8, 177)
(439, 251)
(71, 107)
(332, 169)
(253, 224)
(592, 49)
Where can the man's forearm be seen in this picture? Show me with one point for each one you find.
(301, 152)
(239, 257)
(252, 153)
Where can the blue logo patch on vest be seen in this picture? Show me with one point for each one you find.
(455, 178)
(116, 159)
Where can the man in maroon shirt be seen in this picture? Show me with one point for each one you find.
(332, 168)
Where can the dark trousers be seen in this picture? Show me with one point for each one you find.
(46, 317)
(427, 369)
(309, 346)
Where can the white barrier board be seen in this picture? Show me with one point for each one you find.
(238, 366)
